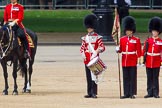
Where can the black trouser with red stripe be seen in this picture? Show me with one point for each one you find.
(21, 33)
(91, 85)
(152, 81)
(130, 80)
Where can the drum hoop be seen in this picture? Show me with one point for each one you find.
(93, 61)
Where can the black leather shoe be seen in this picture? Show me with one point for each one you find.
(132, 97)
(94, 96)
(156, 96)
(125, 96)
(148, 96)
(87, 96)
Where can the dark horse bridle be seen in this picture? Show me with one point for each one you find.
(6, 46)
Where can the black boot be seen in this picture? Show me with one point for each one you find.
(124, 97)
(148, 96)
(26, 51)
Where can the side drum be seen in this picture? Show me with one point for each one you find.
(96, 65)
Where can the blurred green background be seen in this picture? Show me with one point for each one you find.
(72, 20)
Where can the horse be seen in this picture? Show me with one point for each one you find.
(12, 50)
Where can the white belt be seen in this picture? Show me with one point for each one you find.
(153, 54)
(129, 52)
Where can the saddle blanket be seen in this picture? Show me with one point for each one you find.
(31, 44)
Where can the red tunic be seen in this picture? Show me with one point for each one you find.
(153, 58)
(96, 41)
(13, 12)
(130, 47)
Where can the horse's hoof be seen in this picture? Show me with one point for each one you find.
(5, 92)
(28, 91)
(15, 93)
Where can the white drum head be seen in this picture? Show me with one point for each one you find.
(94, 60)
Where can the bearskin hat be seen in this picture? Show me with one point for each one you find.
(90, 21)
(129, 24)
(155, 24)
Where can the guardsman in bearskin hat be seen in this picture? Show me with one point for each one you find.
(130, 47)
(13, 16)
(152, 49)
(90, 23)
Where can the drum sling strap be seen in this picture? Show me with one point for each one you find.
(93, 51)
(93, 76)
(91, 47)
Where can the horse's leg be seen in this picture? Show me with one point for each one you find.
(14, 74)
(5, 74)
(28, 89)
(24, 70)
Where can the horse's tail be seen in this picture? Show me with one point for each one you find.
(23, 64)
(22, 73)
(35, 41)
(20, 70)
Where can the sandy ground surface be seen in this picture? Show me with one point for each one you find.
(59, 81)
(59, 37)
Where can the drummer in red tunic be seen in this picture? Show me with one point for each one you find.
(14, 15)
(130, 47)
(90, 22)
(153, 50)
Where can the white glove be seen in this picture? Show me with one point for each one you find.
(117, 49)
(99, 50)
(11, 23)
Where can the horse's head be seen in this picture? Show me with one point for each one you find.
(7, 39)
(5, 33)
(1, 28)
